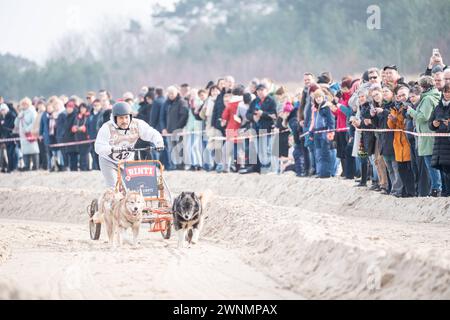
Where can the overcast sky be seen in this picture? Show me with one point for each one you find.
(30, 27)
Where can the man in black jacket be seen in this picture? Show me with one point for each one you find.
(174, 118)
(262, 114)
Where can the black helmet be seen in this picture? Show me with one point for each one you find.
(121, 109)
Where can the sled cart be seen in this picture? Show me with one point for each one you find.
(144, 176)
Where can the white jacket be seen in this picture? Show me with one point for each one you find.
(110, 136)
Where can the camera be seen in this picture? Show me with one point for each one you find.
(339, 94)
(436, 52)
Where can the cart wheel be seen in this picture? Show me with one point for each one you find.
(168, 232)
(94, 228)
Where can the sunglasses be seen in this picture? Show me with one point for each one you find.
(373, 78)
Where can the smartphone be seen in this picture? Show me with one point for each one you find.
(436, 52)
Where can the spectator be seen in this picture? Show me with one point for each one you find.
(229, 120)
(79, 128)
(322, 119)
(145, 109)
(380, 165)
(193, 129)
(175, 116)
(402, 148)
(216, 121)
(367, 142)
(105, 113)
(92, 130)
(69, 136)
(206, 114)
(262, 115)
(28, 142)
(43, 158)
(339, 108)
(419, 168)
(282, 124)
(156, 109)
(47, 131)
(439, 123)
(387, 142)
(305, 120)
(435, 60)
(429, 100)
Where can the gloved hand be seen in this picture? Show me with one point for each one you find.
(121, 149)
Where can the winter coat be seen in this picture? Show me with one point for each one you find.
(323, 120)
(269, 108)
(69, 136)
(92, 125)
(7, 126)
(441, 149)
(402, 148)
(25, 121)
(386, 138)
(44, 128)
(144, 112)
(232, 126)
(156, 113)
(368, 137)
(80, 124)
(429, 100)
(218, 108)
(175, 114)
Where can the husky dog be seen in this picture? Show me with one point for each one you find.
(189, 216)
(105, 204)
(125, 213)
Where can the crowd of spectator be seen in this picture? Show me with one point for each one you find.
(377, 127)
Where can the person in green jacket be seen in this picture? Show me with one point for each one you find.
(429, 100)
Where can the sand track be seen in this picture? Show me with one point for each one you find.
(267, 237)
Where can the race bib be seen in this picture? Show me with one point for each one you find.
(125, 155)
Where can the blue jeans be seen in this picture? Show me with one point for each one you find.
(334, 163)
(322, 155)
(436, 182)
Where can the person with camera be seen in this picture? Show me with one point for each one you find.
(402, 148)
(429, 100)
(116, 139)
(440, 123)
(435, 60)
